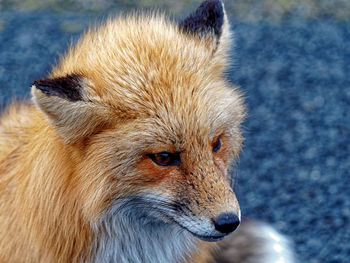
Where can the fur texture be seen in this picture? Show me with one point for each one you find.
(76, 180)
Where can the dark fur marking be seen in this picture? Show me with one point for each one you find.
(64, 87)
(207, 19)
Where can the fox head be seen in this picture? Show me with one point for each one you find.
(145, 103)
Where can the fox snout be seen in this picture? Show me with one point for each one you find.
(206, 205)
(215, 219)
(210, 229)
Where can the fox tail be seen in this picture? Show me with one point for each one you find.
(254, 242)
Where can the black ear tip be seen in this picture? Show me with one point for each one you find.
(36, 83)
(42, 85)
(208, 18)
(213, 4)
(64, 87)
(213, 7)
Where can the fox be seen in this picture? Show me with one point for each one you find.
(125, 151)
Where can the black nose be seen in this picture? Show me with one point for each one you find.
(226, 223)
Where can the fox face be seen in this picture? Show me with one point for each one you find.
(154, 125)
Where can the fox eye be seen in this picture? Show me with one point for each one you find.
(217, 145)
(165, 158)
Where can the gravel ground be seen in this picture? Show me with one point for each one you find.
(294, 170)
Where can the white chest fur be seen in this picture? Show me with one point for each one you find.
(126, 236)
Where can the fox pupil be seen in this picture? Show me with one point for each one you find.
(165, 158)
(217, 145)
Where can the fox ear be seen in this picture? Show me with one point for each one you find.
(210, 21)
(64, 102)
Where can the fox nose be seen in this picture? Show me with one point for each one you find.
(226, 223)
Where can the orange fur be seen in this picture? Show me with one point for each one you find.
(146, 88)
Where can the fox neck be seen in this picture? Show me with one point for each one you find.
(128, 236)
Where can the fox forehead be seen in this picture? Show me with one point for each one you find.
(135, 50)
(145, 67)
(143, 56)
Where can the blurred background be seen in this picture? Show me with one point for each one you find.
(291, 59)
(248, 10)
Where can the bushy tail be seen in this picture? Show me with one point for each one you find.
(254, 242)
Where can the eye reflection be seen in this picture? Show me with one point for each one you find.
(165, 158)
